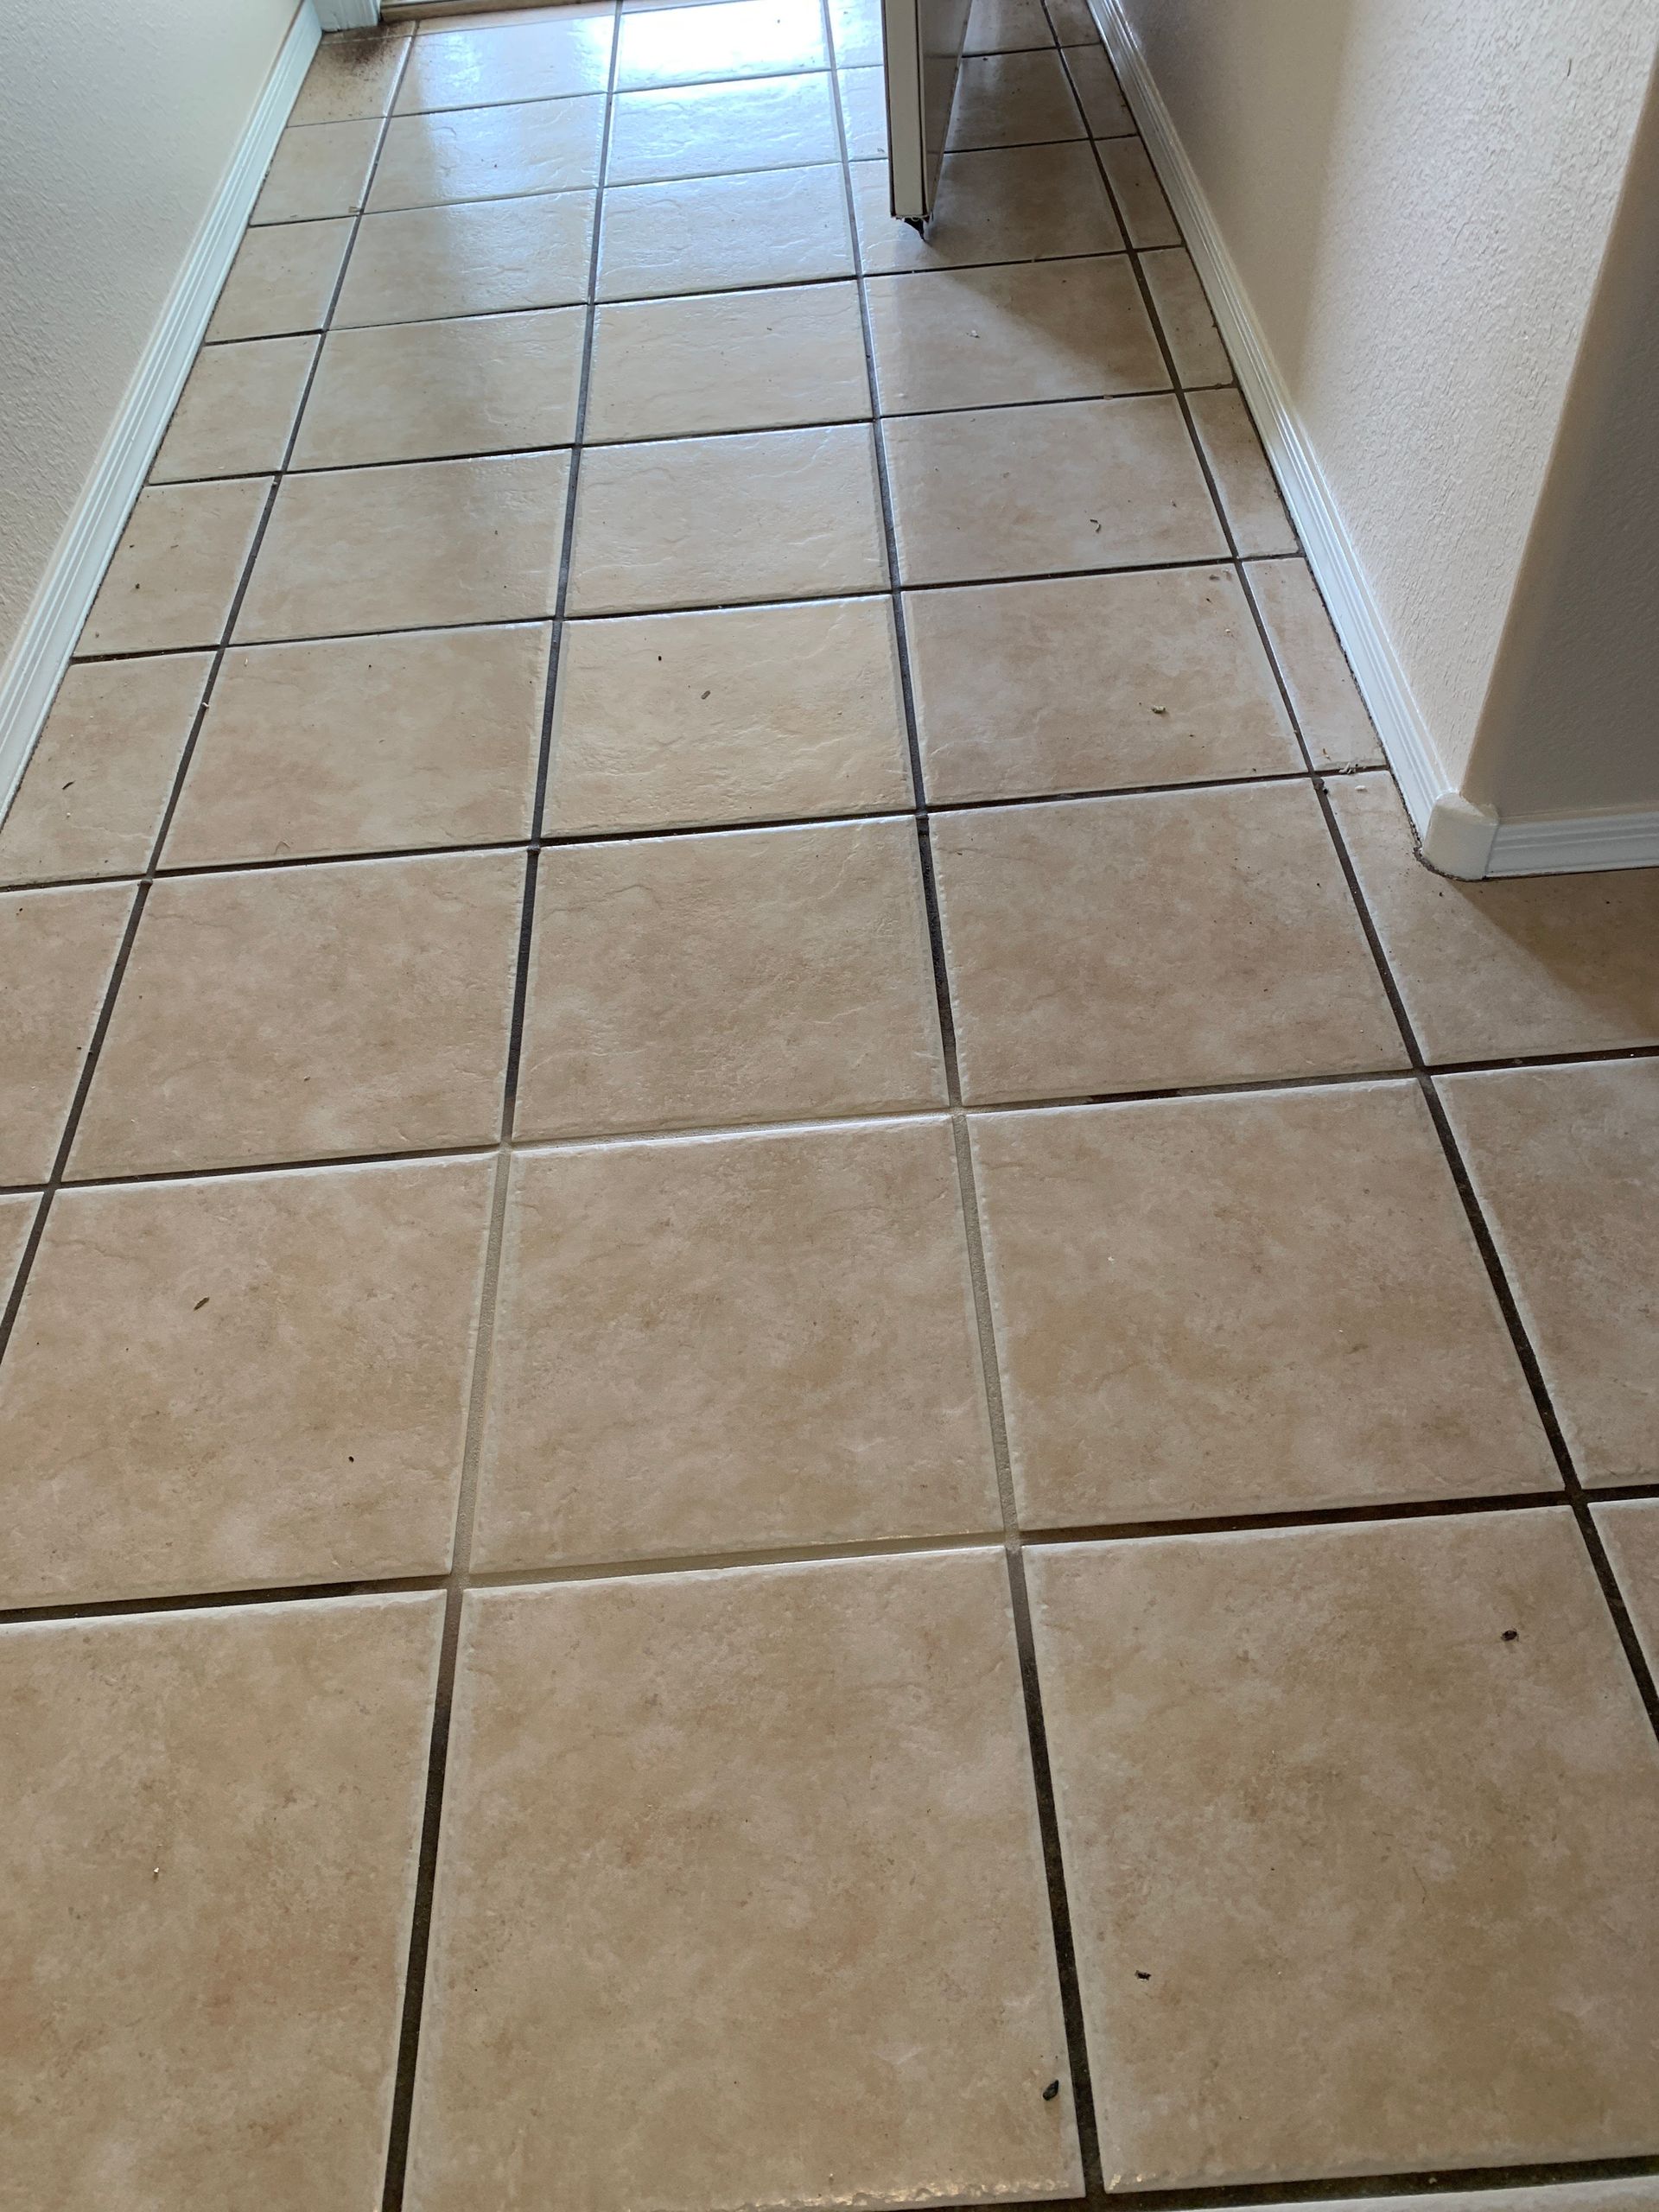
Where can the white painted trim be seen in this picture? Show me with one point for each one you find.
(348, 14)
(1566, 844)
(36, 663)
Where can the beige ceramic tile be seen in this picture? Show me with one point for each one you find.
(1073, 23)
(1042, 330)
(1548, 963)
(741, 38)
(1003, 26)
(712, 1930)
(17, 1213)
(319, 168)
(1035, 491)
(562, 52)
(488, 153)
(366, 745)
(762, 1340)
(765, 123)
(760, 976)
(1141, 200)
(91, 800)
(727, 361)
(211, 1826)
(1009, 203)
(308, 1013)
(1194, 342)
(236, 409)
(702, 521)
(1360, 1830)
(1264, 1304)
(1334, 722)
(419, 391)
(855, 28)
(351, 78)
(282, 279)
(1090, 683)
(396, 549)
(254, 1382)
(863, 94)
(713, 233)
(753, 714)
(57, 950)
(1104, 105)
(1013, 99)
(480, 258)
(173, 576)
(1254, 512)
(1565, 1161)
(1630, 1529)
(1154, 943)
(1640, 2195)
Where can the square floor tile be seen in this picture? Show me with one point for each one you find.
(1154, 943)
(396, 548)
(171, 580)
(756, 122)
(364, 745)
(257, 1380)
(729, 361)
(760, 976)
(282, 279)
(481, 258)
(1194, 342)
(1543, 963)
(422, 390)
(309, 1013)
(855, 29)
(1039, 330)
(1140, 196)
(1035, 491)
(714, 234)
(91, 799)
(1013, 99)
(1004, 26)
(863, 95)
(1565, 1161)
(1630, 1529)
(488, 153)
(564, 51)
(319, 168)
(1257, 1304)
(236, 412)
(762, 1341)
(1074, 22)
(17, 1219)
(210, 1833)
(57, 951)
(1090, 683)
(741, 1898)
(1008, 203)
(741, 715)
(1256, 513)
(352, 77)
(1334, 723)
(741, 38)
(1104, 108)
(1359, 1830)
(784, 514)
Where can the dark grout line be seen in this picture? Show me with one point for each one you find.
(1358, 1514)
(63, 1613)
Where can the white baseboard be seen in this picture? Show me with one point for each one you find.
(1459, 838)
(36, 663)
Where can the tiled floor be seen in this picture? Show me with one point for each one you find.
(810, 1397)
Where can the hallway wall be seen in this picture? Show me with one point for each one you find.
(117, 120)
(1417, 195)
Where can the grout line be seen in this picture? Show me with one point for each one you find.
(398, 2135)
(1082, 2099)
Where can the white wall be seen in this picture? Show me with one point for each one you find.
(117, 120)
(1417, 194)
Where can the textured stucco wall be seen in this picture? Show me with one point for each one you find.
(117, 120)
(1417, 194)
